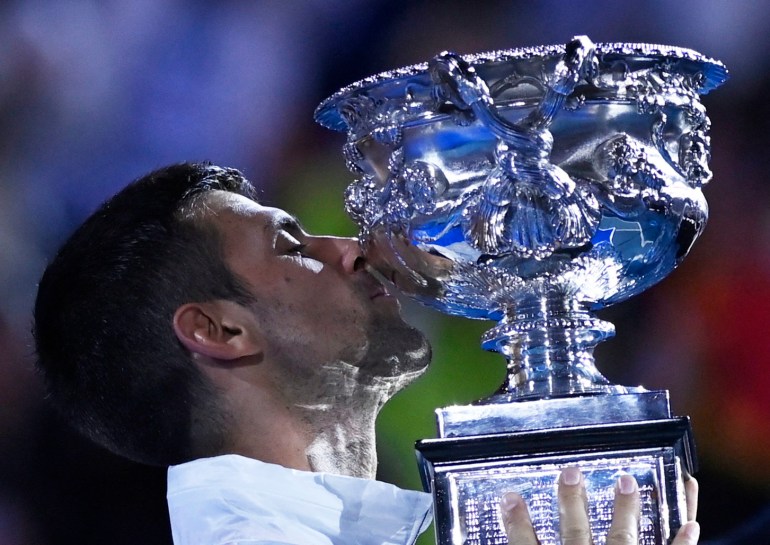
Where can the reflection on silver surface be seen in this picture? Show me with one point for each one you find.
(478, 520)
(533, 187)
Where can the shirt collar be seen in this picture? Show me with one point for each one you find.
(234, 497)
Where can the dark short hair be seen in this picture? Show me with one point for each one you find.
(103, 321)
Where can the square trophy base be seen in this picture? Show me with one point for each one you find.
(470, 467)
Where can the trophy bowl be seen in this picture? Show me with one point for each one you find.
(533, 187)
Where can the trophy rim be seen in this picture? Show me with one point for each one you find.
(714, 71)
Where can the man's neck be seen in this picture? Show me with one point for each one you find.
(342, 420)
(344, 444)
(330, 430)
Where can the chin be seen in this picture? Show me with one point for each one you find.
(401, 352)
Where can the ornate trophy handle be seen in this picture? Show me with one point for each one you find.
(527, 205)
(457, 82)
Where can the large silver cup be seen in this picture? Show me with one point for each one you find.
(533, 187)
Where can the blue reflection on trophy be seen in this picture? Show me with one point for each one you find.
(533, 187)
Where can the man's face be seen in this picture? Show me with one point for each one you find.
(315, 304)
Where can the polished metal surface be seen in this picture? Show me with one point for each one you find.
(477, 518)
(540, 414)
(533, 187)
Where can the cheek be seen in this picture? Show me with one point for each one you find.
(320, 302)
(321, 327)
(337, 315)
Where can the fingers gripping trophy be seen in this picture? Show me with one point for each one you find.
(533, 187)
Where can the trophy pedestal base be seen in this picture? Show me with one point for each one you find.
(468, 476)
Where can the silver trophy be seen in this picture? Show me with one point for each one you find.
(533, 187)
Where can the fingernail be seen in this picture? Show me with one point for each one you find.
(510, 501)
(507, 504)
(570, 476)
(691, 530)
(626, 484)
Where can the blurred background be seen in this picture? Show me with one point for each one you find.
(94, 93)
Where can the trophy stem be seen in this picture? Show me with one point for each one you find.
(548, 341)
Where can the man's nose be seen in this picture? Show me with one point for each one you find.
(343, 253)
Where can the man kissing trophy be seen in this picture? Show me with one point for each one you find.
(532, 187)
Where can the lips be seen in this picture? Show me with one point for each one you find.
(375, 282)
(378, 291)
(375, 288)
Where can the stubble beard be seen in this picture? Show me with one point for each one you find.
(396, 351)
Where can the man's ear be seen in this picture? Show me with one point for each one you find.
(219, 329)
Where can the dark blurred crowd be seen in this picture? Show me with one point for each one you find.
(94, 93)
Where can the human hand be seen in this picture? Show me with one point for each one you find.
(573, 514)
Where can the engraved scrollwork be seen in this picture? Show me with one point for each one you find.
(354, 159)
(361, 198)
(396, 161)
(397, 207)
(424, 183)
(695, 153)
(628, 169)
(665, 85)
(359, 113)
(414, 188)
(381, 118)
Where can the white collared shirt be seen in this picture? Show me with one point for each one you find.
(234, 500)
